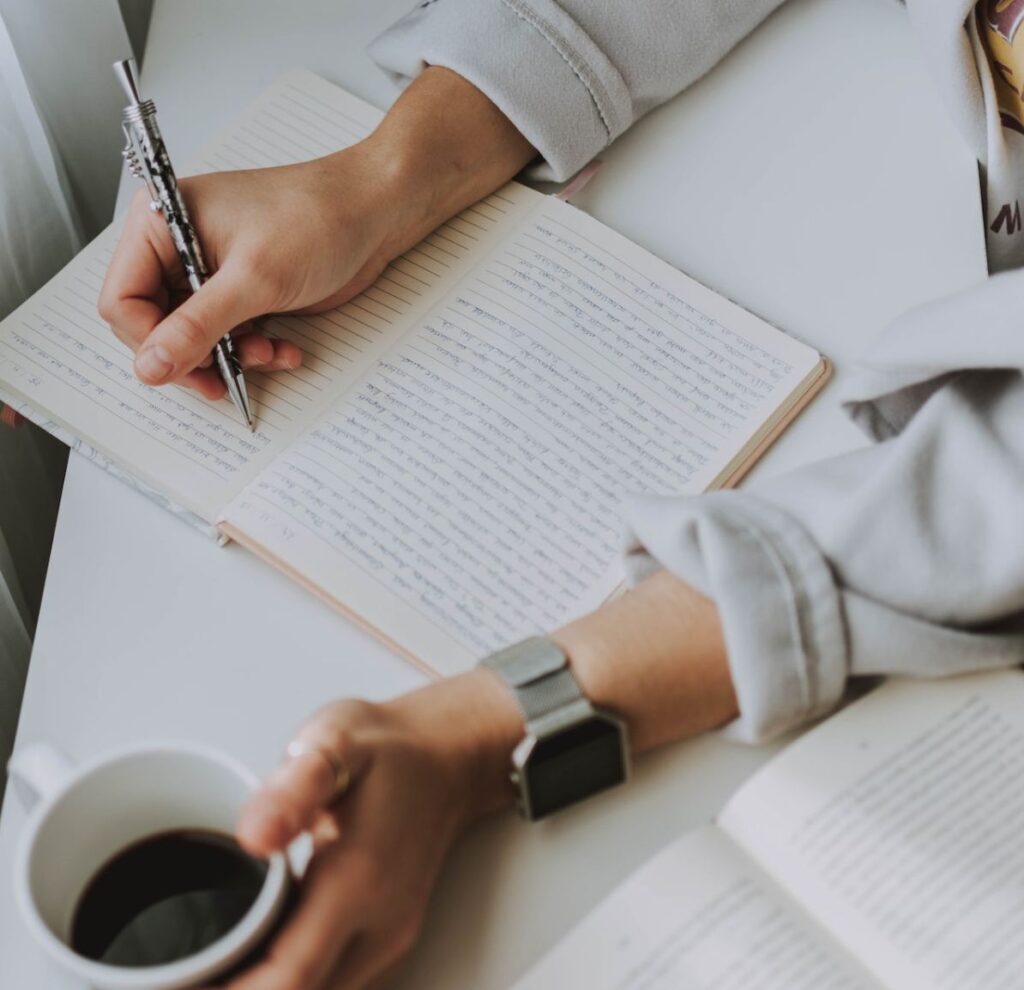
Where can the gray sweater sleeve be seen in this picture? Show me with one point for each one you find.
(906, 557)
(572, 75)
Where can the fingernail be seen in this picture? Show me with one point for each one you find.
(154, 364)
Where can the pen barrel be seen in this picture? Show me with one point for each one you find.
(163, 185)
(227, 358)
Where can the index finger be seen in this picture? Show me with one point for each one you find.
(293, 796)
(134, 297)
(286, 804)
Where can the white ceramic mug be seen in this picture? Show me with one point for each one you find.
(82, 816)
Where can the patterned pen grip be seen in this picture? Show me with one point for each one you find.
(157, 170)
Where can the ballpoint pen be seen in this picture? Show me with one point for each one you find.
(148, 160)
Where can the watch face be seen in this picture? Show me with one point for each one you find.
(575, 763)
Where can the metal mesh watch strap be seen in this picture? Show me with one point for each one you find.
(538, 672)
(571, 748)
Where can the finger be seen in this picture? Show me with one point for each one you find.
(281, 356)
(303, 786)
(134, 297)
(307, 950)
(134, 319)
(259, 353)
(179, 342)
(287, 804)
(254, 350)
(207, 382)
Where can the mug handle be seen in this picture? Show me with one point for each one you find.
(38, 771)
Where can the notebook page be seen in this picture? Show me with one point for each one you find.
(57, 355)
(467, 491)
(898, 824)
(698, 915)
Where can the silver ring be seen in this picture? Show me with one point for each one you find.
(342, 774)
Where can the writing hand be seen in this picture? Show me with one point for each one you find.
(305, 237)
(301, 238)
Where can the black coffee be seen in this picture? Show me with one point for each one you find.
(164, 898)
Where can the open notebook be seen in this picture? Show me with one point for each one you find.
(447, 463)
(881, 850)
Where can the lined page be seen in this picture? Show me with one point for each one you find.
(467, 491)
(698, 916)
(898, 824)
(304, 117)
(57, 354)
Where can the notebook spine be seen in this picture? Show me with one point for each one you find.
(83, 449)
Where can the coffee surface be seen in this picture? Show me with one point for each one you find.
(164, 898)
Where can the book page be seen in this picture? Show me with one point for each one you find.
(57, 355)
(898, 824)
(698, 916)
(466, 493)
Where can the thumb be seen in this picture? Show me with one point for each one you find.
(185, 337)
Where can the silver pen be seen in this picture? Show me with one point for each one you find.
(148, 160)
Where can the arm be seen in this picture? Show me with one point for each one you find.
(562, 78)
(427, 765)
(906, 557)
(572, 75)
(324, 231)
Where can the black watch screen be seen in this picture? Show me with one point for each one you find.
(575, 763)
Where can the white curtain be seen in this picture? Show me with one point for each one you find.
(59, 130)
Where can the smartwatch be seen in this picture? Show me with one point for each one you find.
(571, 749)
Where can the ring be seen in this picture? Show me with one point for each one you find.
(342, 775)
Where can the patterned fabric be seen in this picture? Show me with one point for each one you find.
(1000, 22)
(1000, 40)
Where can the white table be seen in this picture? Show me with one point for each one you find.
(812, 178)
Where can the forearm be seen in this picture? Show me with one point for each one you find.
(891, 559)
(655, 657)
(572, 74)
(442, 147)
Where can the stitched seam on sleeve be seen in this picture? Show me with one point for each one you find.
(598, 94)
(778, 562)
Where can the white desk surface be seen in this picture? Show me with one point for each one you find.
(812, 178)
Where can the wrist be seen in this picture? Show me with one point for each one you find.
(656, 657)
(471, 724)
(442, 147)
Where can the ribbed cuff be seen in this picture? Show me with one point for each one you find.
(780, 609)
(530, 59)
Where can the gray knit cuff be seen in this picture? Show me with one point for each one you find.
(530, 59)
(780, 609)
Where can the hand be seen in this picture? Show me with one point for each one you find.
(426, 765)
(305, 237)
(302, 238)
(422, 768)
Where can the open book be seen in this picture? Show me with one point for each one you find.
(882, 849)
(447, 463)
